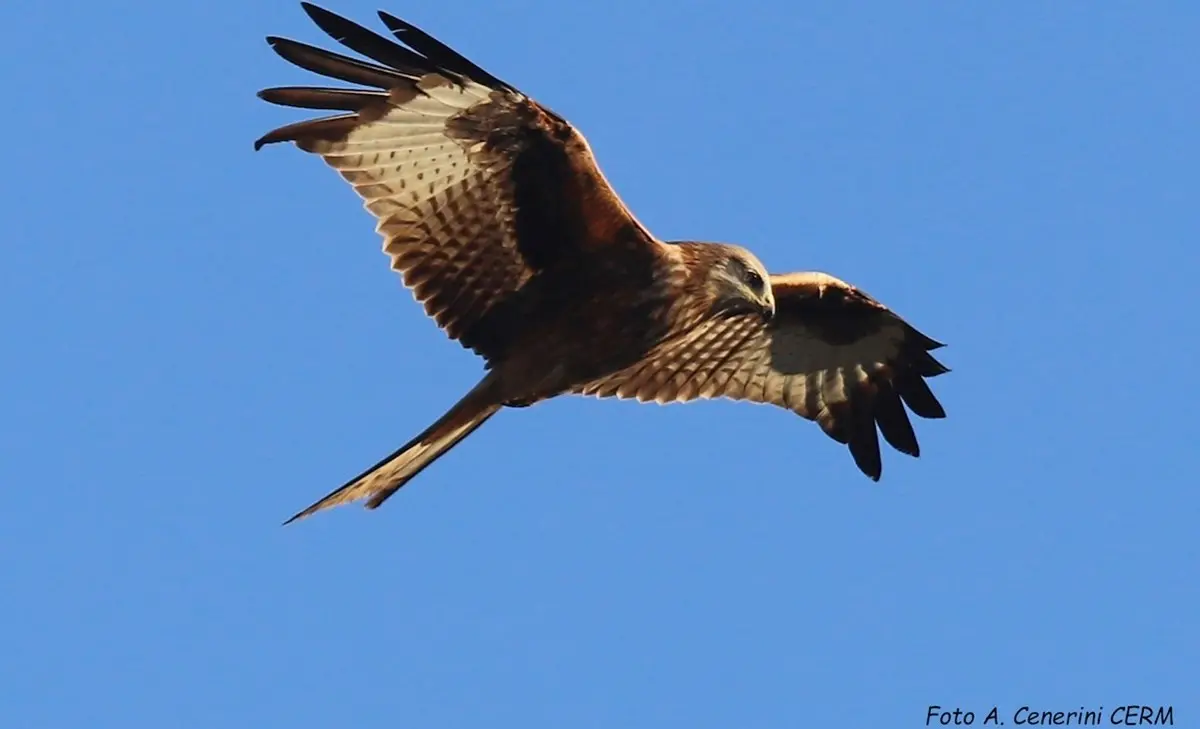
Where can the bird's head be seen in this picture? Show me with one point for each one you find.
(740, 284)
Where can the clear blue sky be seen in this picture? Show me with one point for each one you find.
(200, 339)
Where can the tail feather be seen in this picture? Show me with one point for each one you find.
(385, 478)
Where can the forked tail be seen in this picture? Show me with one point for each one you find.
(385, 478)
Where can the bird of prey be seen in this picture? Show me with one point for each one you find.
(498, 219)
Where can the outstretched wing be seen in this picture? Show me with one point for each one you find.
(476, 187)
(831, 354)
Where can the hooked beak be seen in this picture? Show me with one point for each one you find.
(767, 312)
(738, 306)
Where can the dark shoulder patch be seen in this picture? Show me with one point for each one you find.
(519, 135)
(549, 215)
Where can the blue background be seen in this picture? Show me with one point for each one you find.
(199, 340)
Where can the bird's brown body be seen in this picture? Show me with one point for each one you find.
(496, 215)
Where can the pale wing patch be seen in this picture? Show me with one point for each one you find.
(848, 388)
(807, 375)
(405, 156)
(740, 359)
(446, 221)
(798, 349)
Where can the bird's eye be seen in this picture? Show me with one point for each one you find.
(754, 280)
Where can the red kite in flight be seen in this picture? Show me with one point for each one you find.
(495, 214)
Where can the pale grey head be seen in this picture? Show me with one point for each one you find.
(740, 284)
